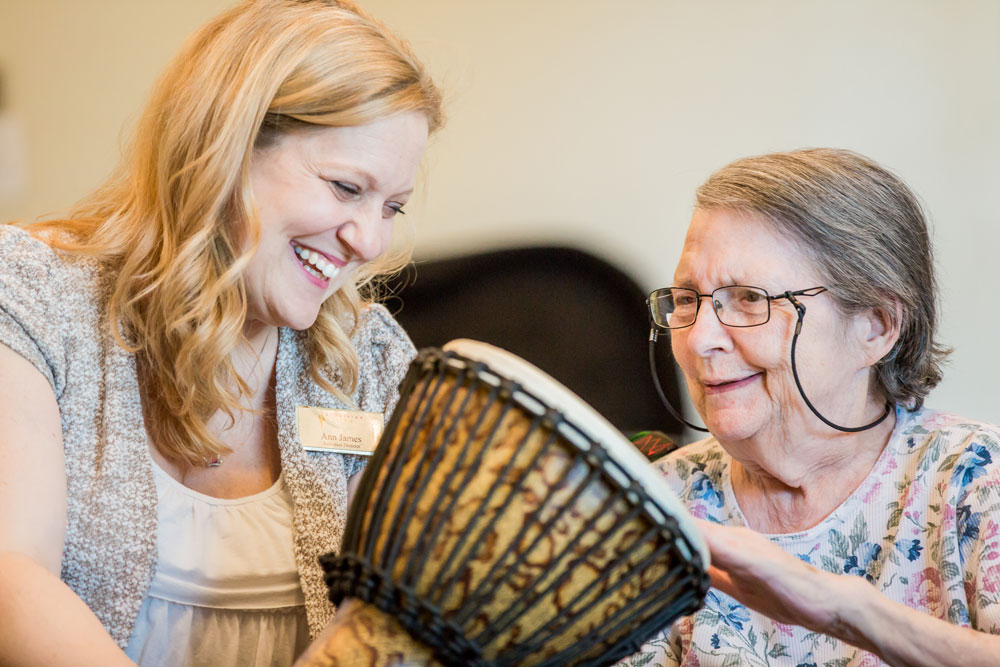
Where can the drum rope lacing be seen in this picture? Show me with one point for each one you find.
(368, 568)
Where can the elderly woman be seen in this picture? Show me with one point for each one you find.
(156, 501)
(864, 525)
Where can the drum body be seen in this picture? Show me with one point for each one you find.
(503, 522)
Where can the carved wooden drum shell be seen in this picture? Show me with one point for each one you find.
(502, 521)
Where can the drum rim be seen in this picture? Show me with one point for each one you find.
(542, 387)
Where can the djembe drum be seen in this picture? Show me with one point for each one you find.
(502, 521)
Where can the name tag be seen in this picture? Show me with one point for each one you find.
(343, 431)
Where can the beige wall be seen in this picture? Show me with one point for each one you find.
(575, 124)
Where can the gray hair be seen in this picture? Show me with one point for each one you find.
(867, 235)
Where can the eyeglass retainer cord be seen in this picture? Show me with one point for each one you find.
(659, 388)
(800, 309)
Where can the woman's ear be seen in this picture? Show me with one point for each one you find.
(879, 330)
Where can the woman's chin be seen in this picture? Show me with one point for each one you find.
(733, 424)
(299, 319)
(301, 322)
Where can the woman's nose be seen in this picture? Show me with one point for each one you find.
(366, 235)
(708, 333)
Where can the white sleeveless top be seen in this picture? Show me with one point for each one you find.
(226, 591)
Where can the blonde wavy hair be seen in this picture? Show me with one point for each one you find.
(176, 222)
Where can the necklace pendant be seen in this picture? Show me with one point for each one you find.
(213, 462)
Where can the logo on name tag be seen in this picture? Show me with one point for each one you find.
(343, 431)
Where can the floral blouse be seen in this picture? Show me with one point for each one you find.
(923, 528)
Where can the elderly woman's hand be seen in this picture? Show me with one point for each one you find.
(749, 568)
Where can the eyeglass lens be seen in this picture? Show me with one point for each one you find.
(735, 305)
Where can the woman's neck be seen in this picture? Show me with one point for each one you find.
(253, 360)
(789, 484)
(252, 462)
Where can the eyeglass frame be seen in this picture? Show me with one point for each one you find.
(790, 295)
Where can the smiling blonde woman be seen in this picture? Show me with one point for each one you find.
(154, 345)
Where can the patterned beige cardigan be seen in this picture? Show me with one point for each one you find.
(51, 312)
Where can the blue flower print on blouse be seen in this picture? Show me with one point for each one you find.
(858, 563)
(808, 557)
(971, 464)
(730, 612)
(703, 489)
(968, 529)
(910, 548)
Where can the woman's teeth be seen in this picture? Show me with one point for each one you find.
(315, 263)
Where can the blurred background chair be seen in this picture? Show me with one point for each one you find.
(570, 313)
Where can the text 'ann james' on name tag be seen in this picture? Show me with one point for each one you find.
(343, 431)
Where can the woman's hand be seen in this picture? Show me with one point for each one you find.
(758, 573)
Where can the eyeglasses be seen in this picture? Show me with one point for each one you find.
(734, 305)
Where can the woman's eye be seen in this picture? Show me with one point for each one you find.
(391, 209)
(682, 301)
(347, 189)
